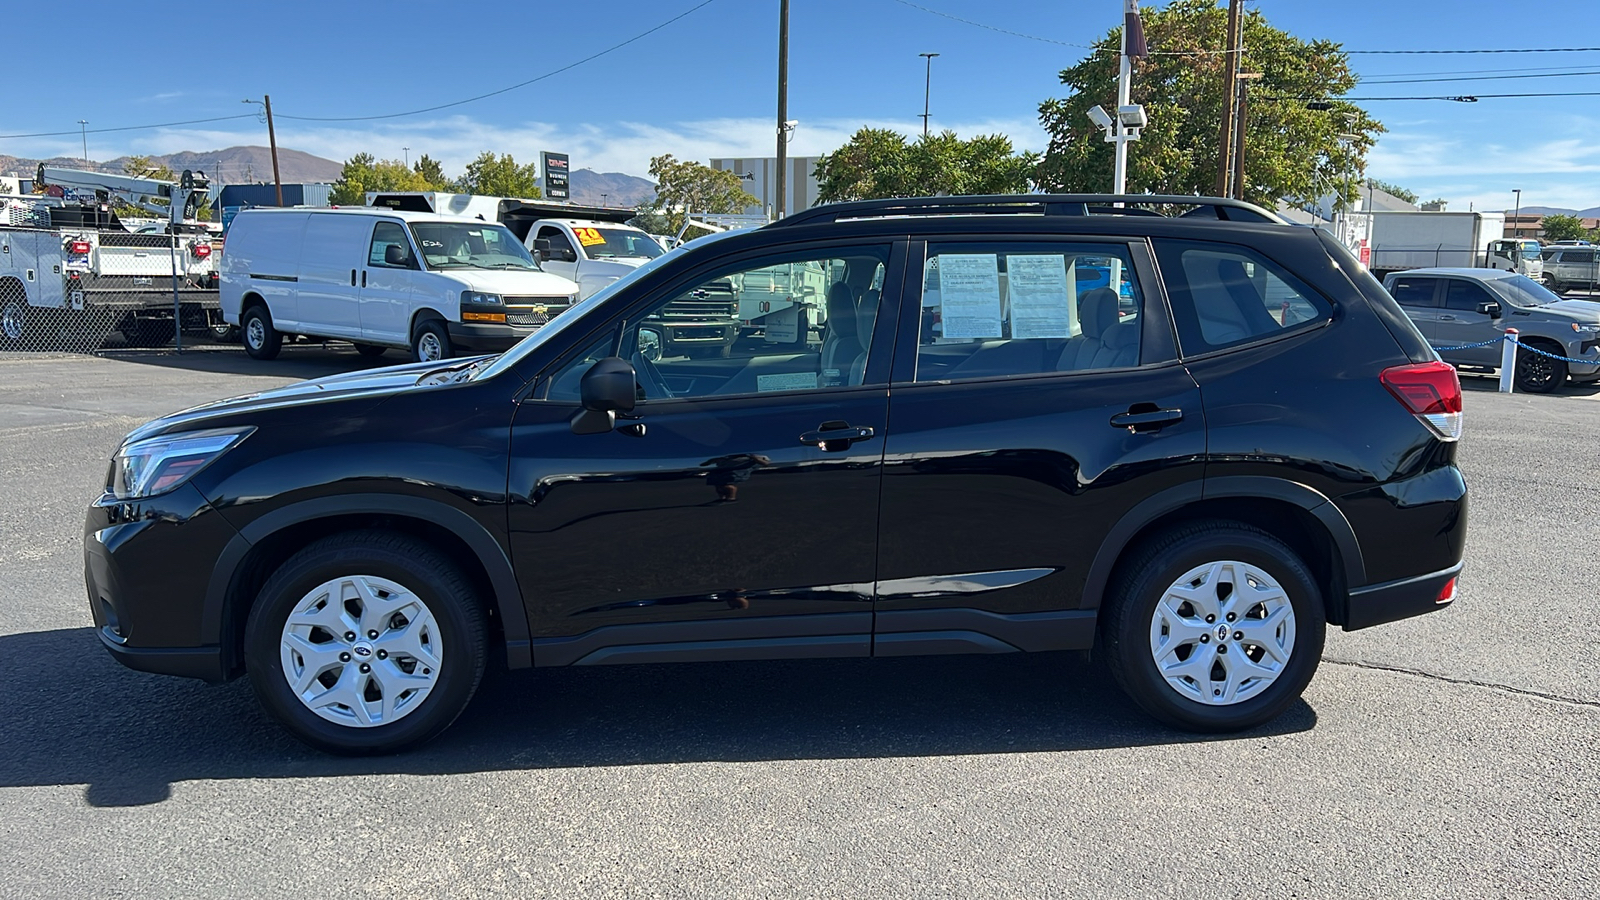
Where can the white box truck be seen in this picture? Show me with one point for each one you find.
(1419, 240)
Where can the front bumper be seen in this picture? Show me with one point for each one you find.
(1391, 601)
(147, 569)
(485, 337)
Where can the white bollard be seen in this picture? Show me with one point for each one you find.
(1508, 361)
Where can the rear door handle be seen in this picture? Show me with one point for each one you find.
(352, 277)
(836, 437)
(363, 277)
(1147, 419)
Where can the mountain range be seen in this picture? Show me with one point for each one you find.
(1591, 213)
(246, 165)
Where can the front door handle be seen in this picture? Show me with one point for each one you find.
(352, 277)
(1146, 417)
(836, 437)
(363, 277)
(1447, 318)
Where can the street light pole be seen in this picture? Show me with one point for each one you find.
(926, 88)
(1516, 217)
(408, 156)
(783, 106)
(1119, 181)
(83, 128)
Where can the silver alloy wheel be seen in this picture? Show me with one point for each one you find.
(1222, 633)
(361, 651)
(11, 322)
(255, 333)
(428, 347)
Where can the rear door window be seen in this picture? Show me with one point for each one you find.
(993, 310)
(1414, 292)
(1225, 296)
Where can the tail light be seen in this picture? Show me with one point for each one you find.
(78, 248)
(1432, 392)
(1447, 594)
(201, 250)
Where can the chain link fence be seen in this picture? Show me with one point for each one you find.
(1563, 269)
(83, 290)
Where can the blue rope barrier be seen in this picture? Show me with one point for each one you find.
(1506, 337)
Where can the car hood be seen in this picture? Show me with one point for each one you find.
(512, 283)
(374, 385)
(1577, 310)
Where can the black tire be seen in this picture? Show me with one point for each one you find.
(1537, 373)
(1142, 580)
(263, 343)
(414, 565)
(428, 338)
(223, 333)
(147, 332)
(371, 351)
(14, 324)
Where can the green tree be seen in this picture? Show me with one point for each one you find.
(1293, 152)
(145, 167)
(879, 163)
(1564, 228)
(363, 173)
(687, 186)
(432, 172)
(1394, 189)
(500, 176)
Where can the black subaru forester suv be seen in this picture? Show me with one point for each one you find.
(1174, 430)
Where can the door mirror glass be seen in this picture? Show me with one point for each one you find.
(610, 385)
(650, 341)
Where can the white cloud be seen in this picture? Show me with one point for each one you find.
(1552, 167)
(609, 147)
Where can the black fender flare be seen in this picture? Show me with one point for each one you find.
(1175, 498)
(490, 554)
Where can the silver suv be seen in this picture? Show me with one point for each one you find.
(1566, 267)
(1457, 307)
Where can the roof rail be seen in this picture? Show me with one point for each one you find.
(1029, 204)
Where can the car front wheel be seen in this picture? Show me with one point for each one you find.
(1214, 627)
(366, 642)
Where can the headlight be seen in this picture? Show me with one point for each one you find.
(1592, 328)
(159, 464)
(478, 298)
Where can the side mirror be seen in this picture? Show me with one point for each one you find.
(565, 254)
(1490, 308)
(541, 249)
(610, 385)
(396, 255)
(650, 343)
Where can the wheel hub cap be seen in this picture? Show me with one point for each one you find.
(361, 651)
(1222, 633)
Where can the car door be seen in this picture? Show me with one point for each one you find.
(560, 247)
(735, 515)
(330, 251)
(1033, 405)
(386, 286)
(1418, 295)
(1460, 323)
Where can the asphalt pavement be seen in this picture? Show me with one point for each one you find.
(1453, 755)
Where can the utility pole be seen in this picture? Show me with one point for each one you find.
(272, 141)
(1516, 217)
(927, 87)
(83, 128)
(1241, 119)
(1230, 98)
(783, 107)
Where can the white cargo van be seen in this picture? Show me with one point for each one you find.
(379, 278)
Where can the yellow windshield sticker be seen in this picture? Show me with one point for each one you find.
(588, 236)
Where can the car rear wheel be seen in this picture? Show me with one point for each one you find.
(1537, 373)
(1214, 627)
(366, 642)
(261, 340)
(13, 324)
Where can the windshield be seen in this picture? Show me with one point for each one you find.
(1531, 249)
(616, 243)
(463, 245)
(1524, 291)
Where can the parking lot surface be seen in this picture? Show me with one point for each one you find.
(1453, 755)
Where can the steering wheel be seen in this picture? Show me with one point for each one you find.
(655, 387)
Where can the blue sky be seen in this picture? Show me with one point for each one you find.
(705, 85)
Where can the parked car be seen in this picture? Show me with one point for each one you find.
(1461, 307)
(1567, 267)
(1263, 447)
(382, 278)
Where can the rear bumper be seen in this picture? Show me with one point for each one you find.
(1391, 601)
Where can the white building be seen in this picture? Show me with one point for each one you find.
(761, 179)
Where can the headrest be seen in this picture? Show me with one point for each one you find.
(842, 311)
(1097, 311)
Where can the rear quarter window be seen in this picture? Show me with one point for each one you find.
(1227, 296)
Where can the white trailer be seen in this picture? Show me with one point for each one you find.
(1417, 240)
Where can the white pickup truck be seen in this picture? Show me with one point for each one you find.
(592, 253)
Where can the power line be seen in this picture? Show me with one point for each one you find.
(129, 127)
(1476, 78)
(521, 84)
(1470, 98)
(1430, 52)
